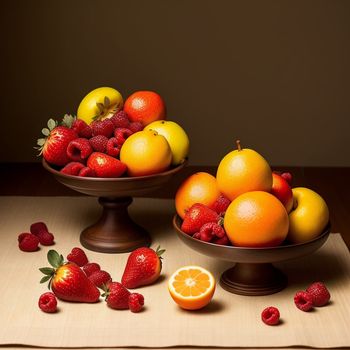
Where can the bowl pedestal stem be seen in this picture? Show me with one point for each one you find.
(114, 232)
(253, 279)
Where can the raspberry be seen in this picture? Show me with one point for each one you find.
(270, 316)
(28, 242)
(211, 230)
(37, 227)
(121, 134)
(81, 128)
(135, 126)
(78, 256)
(79, 149)
(319, 294)
(100, 278)
(102, 127)
(99, 143)
(87, 172)
(46, 238)
(222, 241)
(221, 204)
(72, 168)
(303, 300)
(113, 148)
(136, 302)
(48, 302)
(40, 230)
(120, 120)
(90, 268)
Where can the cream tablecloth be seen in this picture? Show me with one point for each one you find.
(229, 321)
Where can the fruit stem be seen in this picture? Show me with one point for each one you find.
(238, 143)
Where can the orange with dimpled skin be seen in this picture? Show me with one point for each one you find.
(256, 219)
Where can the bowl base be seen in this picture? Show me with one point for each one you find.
(253, 279)
(115, 232)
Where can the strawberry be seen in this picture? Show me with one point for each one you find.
(54, 146)
(78, 256)
(211, 231)
(221, 204)
(79, 149)
(100, 278)
(67, 281)
(105, 165)
(117, 296)
(143, 267)
(198, 215)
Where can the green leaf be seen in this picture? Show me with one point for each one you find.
(40, 142)
(51, 124)
(68, 120)
(159, 251)
(45, 131)
(54, 258)
(45, 279)
(100, 106)
(47, 271)
(106, 102)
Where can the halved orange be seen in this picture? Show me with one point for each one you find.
(192, 287)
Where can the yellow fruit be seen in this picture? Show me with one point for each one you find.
(309, 217)
(256, 219)
(145, 153)
(241, 171)
(200, 187)
(191, 287)
(100, 104)
(176, 137)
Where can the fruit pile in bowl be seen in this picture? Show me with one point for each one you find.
(248, 205)
(110, 139)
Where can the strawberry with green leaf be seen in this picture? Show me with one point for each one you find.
(54, 145)
(67, 281)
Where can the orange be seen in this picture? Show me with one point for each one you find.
(145, 107)
(256, 219)
(197, 188)
(192, 287)
(241, 171)
(146, 153)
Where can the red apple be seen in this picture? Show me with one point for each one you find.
(288, 177)
(282, 190)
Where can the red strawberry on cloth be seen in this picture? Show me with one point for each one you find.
(67, 280)
(105, 165)
(117, 296)
(143, 267)
(78, 256)
(198, 215)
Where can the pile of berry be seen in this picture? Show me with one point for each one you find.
(88, 150)
(316, 295)
(205, 223)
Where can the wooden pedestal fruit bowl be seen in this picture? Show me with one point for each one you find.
(253, 273)
(114, 232)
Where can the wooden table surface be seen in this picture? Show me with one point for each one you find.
(31, 179)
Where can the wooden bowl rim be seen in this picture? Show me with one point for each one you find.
(171, 171)
(325, 233)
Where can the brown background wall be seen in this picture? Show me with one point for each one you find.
(273, 73)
